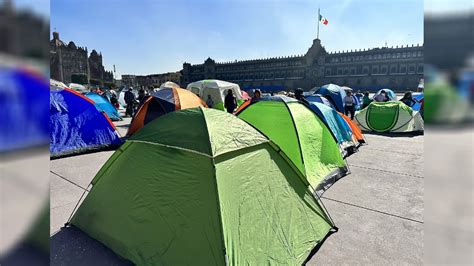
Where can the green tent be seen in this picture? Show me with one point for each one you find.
(302, 136)
(389, 117)
(202, 187)
(445, 104)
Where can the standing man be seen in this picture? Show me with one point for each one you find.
(349, 105)
(230, 102)
(141, 96)
(366, 100)
(129, 98)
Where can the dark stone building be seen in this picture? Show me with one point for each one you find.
(154, 80)
(397, 68)
(67, 60)
(22, 33)
(449, 40)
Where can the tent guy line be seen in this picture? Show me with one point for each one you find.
(62, 177)
(373, 210)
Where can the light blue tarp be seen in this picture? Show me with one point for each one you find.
(24, 109)
(418, 97)
(318, 98)
(335, 94)
(104, 106)
(77, 126)
(338, 126)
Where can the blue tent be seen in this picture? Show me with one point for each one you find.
(418, 97)
(103, 105)
(24, 114)
(338, 126)
(335, 94)
(76, 125)
(318, 98)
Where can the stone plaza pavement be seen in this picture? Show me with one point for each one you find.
(378, 208)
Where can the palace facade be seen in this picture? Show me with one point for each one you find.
(398, 68)
(67, 60)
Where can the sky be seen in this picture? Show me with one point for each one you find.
(155, 36)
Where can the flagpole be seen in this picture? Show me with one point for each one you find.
(319, 16)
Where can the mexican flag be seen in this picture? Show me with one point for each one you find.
(323, 19)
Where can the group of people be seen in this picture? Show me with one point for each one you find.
(230, 100)
(132, 102)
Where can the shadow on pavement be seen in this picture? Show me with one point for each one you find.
(396, 135)
(71, 246)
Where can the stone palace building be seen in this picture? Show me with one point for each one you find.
(67, 60)
(398, 68)
(22, 32)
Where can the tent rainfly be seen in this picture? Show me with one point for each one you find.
(389, 117)
(183, 190)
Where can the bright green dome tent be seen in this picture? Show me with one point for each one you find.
(202, 187)
(389, 117)
(302, 136)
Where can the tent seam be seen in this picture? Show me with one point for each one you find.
(216, 187)
(172, 147)
(297, 135)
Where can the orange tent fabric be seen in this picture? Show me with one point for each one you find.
(161, 102)
(356, 132)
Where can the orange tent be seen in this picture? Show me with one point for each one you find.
(356, 132)
(161, 102)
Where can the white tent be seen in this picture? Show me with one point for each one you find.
(57, 84)
(169, 84)
(121, 97)
(78, 87)
(217, 89)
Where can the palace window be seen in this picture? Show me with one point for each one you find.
(420, 69)
(365, 71)
(403, 69)
(375, 70)
(393, 69)
(353, 71)
(411, 69)
(383, 70)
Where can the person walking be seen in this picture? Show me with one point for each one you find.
(366, 100)
(141, 96)
(114, 101)
(349, 105)
(230, 102)
(129, 98)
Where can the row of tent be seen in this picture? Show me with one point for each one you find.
(392, 116)
(78, 123)
(327, 103)
(236, 189)
(247, 186)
